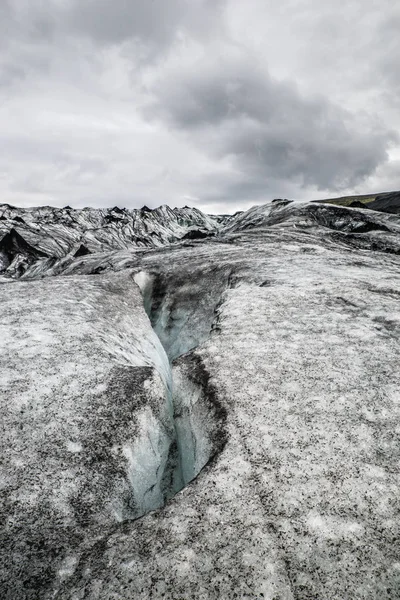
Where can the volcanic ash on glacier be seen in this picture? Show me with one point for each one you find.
(209, 417)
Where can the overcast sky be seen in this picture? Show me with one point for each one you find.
(221, 104)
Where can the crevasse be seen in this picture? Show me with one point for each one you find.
(167, 456)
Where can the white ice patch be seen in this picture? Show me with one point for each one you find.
(193, 424)
(135, 348)
(144, 281)
(74, 446)
(329, 527)
(146, 461)
(68, 567)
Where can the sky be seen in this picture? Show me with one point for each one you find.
(218, 104)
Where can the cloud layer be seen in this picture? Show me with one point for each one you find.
(220, 104)
(267, 128)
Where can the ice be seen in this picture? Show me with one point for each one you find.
(147, 458)
(193, 418)
(281, 424)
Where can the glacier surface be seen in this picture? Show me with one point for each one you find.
(238, 392)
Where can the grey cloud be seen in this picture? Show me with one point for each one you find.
(5, 16)
(55, 38)
(387, 58)
(24, 22)
(153, 22)
(267, 128)
(9, 74)
(122, 19)
(75, 75)
(28, 40)
(208, 95)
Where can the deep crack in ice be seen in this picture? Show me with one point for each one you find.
(191, 403)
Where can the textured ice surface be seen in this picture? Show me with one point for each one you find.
(83, 407)
(31, 239)
(293, 389)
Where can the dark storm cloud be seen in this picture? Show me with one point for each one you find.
(267, 128)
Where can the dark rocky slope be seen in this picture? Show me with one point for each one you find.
(389, 203)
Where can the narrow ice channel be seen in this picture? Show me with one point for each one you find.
(167, 458)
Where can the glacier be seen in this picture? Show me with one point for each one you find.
(205, 417)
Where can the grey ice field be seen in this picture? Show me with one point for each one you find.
(199, 407)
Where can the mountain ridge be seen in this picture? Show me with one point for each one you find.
(58, 232)
(45, 241)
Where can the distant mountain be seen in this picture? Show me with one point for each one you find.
(29, 234)
(384, 202)
(49, 241)
(389, 203)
